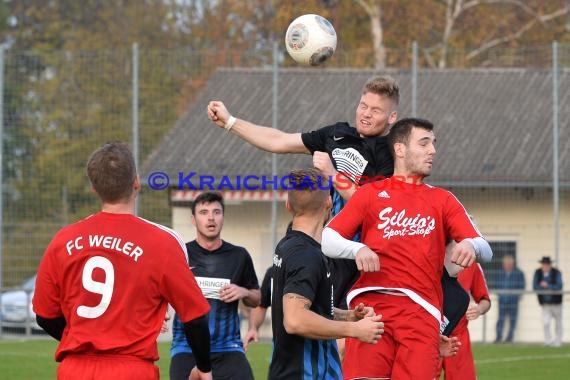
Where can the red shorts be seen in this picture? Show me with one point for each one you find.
(460, 366)
(103, 367)
(409, 348)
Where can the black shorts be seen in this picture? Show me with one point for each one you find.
(225, 366)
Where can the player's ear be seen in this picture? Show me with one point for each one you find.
(392, 117)
(399, 149)
(137, 183)
(329, 203)
(288, 206)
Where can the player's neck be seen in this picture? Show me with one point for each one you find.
(209, 244)
(402, 174)
(118, 208)
(309, 225)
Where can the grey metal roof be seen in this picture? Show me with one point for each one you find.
(494, 126)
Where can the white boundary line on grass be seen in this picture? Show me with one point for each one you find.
(521, 358)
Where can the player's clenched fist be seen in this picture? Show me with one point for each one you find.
(322, 162)
(218, 113)
(463, 254)
(370, 329)
(367, 260)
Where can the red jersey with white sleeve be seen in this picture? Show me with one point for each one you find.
(112, 276)
(408, 226)
(473, 281)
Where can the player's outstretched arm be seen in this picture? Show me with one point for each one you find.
(298, 319)
(265, 138)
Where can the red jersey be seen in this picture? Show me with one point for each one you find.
(408, 226)
(112, 276)
(473, 281)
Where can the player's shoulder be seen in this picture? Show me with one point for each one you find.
(73, 228)
(301, 245)
(158, 231)
(439, 192)
(233, 249)
(339, 129)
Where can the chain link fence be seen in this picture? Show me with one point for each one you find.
(58, 107)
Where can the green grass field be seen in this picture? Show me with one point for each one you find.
(33, 359)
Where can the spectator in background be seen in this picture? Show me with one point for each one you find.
(510, 278)
(549, 278)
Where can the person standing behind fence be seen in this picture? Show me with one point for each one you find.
(549, 278)
(510, 278)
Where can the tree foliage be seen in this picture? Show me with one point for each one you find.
(69, 68)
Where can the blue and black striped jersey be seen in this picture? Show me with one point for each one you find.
(228, 264)
(300, 267)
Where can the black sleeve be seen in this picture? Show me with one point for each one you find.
(316, 140)
(198, 337)
(266, 288)
(303, 274)
(53, 326)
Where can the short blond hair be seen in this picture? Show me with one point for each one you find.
(383, 85)
(308, 191)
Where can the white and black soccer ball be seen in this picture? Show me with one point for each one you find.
(310, 39)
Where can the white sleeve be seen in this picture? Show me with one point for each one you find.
(337, 247)
(483, 250)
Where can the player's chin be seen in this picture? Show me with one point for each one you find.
(368, 131)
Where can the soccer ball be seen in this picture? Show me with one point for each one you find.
(310, 39)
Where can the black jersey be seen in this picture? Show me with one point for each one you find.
(266, 286)
(361, 159)
(300, 267)
(228, 264)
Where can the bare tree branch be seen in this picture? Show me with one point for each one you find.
(513, 36)
(374, 12)
(455, 8)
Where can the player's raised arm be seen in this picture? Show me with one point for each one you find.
(265, 138)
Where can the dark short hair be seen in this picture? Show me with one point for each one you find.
(208, 197)
(402, 130)
(111, 170)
